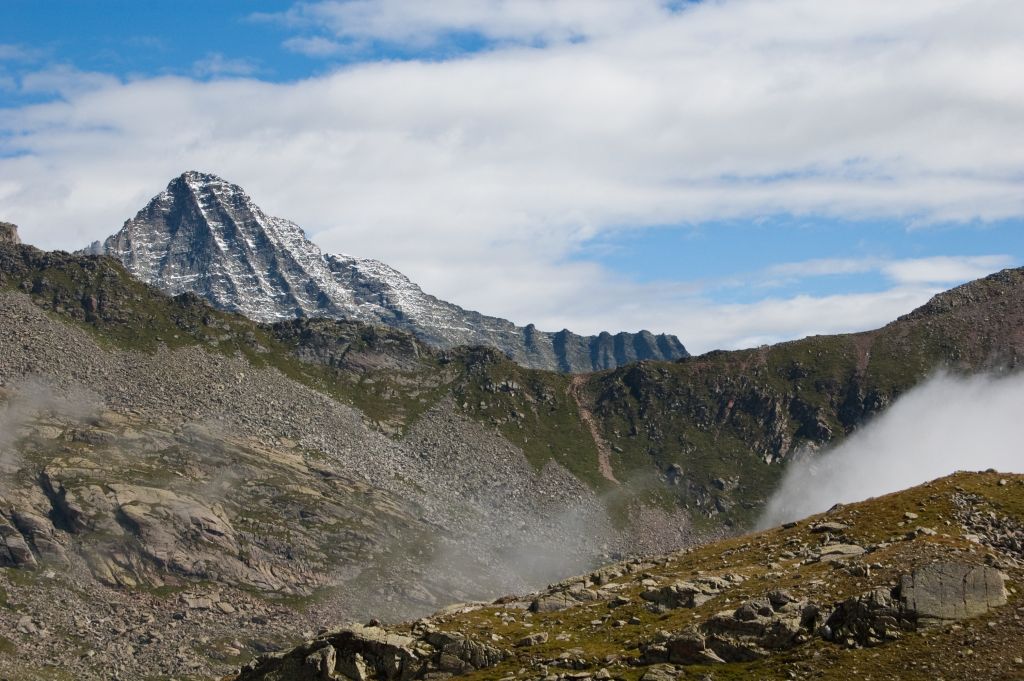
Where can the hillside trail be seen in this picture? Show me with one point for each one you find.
(604, 452)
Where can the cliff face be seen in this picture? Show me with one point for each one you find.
(9, 233)
(204, 235)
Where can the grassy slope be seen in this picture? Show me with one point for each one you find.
(724, 414)
(996, 638)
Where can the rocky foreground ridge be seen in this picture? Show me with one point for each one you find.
(921, 584)
(205, 236)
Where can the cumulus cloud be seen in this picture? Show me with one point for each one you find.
(480, 176)
(947, 424)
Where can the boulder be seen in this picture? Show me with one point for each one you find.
(14, 551)
(660, 672)
(691, 648)
(951, 591)
(933, 593)
(868, 619)
(532, 639)
(833, 552)
(831, 527)
(355, 652)
(685, 594)
(459, 653)
(752, 631)
(552, 602)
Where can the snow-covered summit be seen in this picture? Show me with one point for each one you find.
(205, 235)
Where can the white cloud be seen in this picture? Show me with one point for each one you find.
(914, 271)
(526, 21)
(11, 52)
(64, 80)
(216, 65)
(479, 176)
(945, 425)
(316, 46)
(944, 269)
(704, 324)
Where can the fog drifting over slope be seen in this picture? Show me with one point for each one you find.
(946, 424)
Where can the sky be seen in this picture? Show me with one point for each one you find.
(735, 172)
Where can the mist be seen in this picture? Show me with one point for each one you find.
(944, 425)
(25, 401)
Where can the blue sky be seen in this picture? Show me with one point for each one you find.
(728, 256)
(732, 172)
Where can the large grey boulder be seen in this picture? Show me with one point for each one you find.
(952, 591)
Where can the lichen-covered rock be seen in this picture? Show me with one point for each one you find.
(835, 552)
(868, 619)
(686, 594)
(360, 652)
(459, 653)
(752, 631)
(952, 591)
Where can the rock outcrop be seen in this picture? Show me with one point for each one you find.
(932, 594)
(9, 233)
(359, 653)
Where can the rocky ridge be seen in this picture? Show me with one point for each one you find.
(204, 235)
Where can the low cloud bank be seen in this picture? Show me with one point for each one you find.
(946, 424)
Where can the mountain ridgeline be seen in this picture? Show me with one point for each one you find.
(204, 235)
(709, 435)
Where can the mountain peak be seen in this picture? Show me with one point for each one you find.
(205, 235)
(199, 176)
(198, 182)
